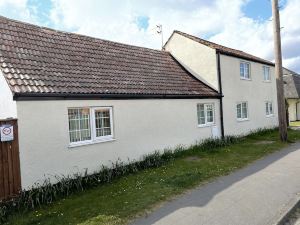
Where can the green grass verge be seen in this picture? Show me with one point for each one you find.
(123, 199)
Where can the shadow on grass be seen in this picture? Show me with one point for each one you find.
(202, 195)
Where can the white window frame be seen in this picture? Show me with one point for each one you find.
(242, 77)
(241, 103)
(264, 70)
(267, 107)
(94, 139)
(102, 138)
(206, 124)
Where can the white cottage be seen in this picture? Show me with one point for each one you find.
(247, 82)
(83, 102)
(292, 94)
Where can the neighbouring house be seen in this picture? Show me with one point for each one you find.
(246, 81)
(83, 102)
(292, 94)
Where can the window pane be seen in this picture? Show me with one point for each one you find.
(79, 124)
(239, 111)
(107, 131)
(201, 114)
(247, 71)
(85, 135)
(267, 108)
(266, 73)
(102, 121)
(242, 70)
(244, 110)
(271, 108)
(210, 114)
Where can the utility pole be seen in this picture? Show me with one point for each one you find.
(278, 72)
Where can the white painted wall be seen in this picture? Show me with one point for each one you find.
(198, 59)
(255, 91)
(202, 61)
(140, 127)
(8, 106)
(292, 104)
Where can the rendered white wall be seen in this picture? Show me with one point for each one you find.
(198, 59)
(140, 127)
(8, 106)
(255, 91)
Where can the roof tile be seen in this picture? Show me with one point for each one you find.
(41, 60)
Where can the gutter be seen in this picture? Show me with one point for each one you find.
(246, 58)
(71, 96)
(220, 92)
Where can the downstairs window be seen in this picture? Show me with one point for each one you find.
(206, 114)
(90, 124)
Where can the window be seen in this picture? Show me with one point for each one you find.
(266, 71)
(103, 123)
(242, 111)
(245, 70)
(269, 109)
(79, 125)
(206, 114)
(88, 125)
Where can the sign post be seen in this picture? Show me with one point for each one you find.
(6, 133)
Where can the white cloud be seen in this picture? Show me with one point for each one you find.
(222, 21)
(16, 9)
(116, 20)
(256, 36)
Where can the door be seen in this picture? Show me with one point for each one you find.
(10, 176)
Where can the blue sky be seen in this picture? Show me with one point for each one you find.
(258, 9)
(242, 24)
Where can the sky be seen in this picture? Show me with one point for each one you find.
(240, 24)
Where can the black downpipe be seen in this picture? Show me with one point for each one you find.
(221, 93)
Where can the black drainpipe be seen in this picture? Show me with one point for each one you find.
(221, 92)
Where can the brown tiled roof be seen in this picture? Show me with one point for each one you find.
(291, 82)
(45, 62)
(225, 50)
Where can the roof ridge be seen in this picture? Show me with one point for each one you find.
(290, 72)
(210, 42)
(75, 34)
(221, 47)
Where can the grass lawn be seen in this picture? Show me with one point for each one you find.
(125, 198)
(295, 124)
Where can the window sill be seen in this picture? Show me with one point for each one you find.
(74, 145)
(243, 120)
(268, 116)
(247, 79)
(266, 81)
(207, 125)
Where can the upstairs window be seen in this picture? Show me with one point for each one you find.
(206, 114)
(266, 71)
(245, 70)
(269, 109)
(242, 111)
